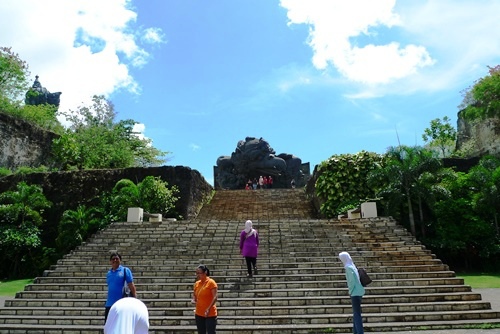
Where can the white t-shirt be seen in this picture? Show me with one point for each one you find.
(127, 316)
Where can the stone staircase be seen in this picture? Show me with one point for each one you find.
(300, 286)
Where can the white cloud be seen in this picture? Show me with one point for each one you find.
(194, 147)
(153, 35)
(408, 46)
(78, 47)
(334, 23)
(139, 129)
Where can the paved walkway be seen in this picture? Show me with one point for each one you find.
(490, 295)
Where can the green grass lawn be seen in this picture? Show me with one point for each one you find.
(9, 288)
(481, 281)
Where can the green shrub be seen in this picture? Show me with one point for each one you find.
(343, 179)
(5, 171)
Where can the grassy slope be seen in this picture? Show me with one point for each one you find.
(481, 281)
(9, 288)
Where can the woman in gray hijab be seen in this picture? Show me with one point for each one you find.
(356, 291)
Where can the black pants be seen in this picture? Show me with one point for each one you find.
(206, 325)
(251, 262)
(106, 312)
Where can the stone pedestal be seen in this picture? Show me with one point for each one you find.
(135, 215)
(353, 214)
(157, 218)
(368, 209)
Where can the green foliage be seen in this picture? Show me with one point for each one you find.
(75, 226)
(20, 220)
(13, 75)
(401, 172)
(441, 134)
(96, 141)
(13, 86)
(463, 229)
(156, 197)
(23, 170)
(342, 178)
(43, 115)
(152, 194)
(483, 99)
(5, 171)
(485, 180)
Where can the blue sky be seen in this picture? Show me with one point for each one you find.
(314, 78)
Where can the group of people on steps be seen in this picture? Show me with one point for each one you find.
(130, 315)
(263, 182)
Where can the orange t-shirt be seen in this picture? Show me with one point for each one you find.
(204, 296)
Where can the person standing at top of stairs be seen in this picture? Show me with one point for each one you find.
(249, 247)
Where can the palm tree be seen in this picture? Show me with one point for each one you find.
(20, 218)
(486, 181)
(428, 189)
(75, 226)
(401, 170)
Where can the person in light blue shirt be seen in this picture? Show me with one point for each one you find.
(356, 291)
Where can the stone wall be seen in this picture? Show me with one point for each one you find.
(23, 144)
(66, 190)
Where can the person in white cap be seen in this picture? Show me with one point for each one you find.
(128, 315)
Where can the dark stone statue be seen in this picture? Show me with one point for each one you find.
(254, 158)
(37, 95)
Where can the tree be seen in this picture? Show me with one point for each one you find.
(441, 134)
(485, 179)
(94, 140)
(20, 220)
(13, 75)
(76, 226)
(460, 232)
(342, 181)
(482, 100)
(403, 166)
(152, 194)
(428, 190)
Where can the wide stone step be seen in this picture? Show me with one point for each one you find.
(257, 302)
(256, 320)
(254, 310)
(306, 272)
(270, 262)
(242, 285)
(237, 264)
(328, 277)
(251, 293)
(285, 258)
(262, 329)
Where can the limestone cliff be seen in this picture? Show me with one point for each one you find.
(479, 137)
(23, 144)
